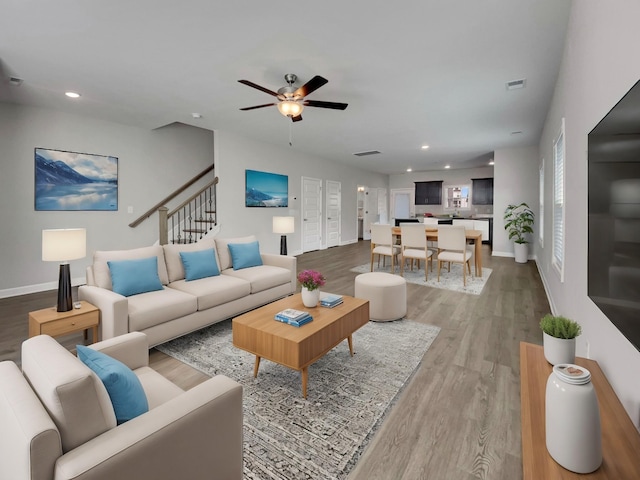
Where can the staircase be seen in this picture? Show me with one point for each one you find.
(192, 219)
(189, 221)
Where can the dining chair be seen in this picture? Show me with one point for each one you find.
(413, 242)
(432, 244)
(382, 244)
(452, 247)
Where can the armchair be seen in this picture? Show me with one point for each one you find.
(57, 422)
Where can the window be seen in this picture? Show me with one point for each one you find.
(541, 214)
(558, 203)
(456, 197)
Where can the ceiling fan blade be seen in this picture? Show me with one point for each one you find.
(262, 89)
(311, 86)
(318, 103)
(296, 119)
(258, 106)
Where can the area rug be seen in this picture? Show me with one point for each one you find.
(448, 280)
(287, 437)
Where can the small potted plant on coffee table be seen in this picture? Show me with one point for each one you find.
(311, 281)
(559, 339)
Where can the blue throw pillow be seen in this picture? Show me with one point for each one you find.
(130, 277)
(124, 387)
(244, 255)
(199, 264)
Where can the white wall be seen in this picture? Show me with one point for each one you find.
(515, 181)
(600, 65)
(150, 165)
(234, 154)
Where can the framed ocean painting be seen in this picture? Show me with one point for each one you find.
(266, 189)
(75, 181)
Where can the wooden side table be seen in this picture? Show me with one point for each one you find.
(620, 439)
(51, 322)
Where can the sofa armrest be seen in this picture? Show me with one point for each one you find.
(284, 261)
(30, 443)
(197, 435)
(114, 310)
(132, 349)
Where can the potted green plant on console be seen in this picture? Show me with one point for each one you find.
(559, 339)
(518, 221)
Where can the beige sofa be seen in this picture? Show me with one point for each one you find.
(185, 306)
(58, 422)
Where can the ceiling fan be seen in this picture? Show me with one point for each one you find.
(291, 100)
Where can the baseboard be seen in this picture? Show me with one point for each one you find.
(40, 287)
(511, 255)
(546, 289)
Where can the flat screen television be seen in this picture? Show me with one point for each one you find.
(263, 189)
(614, 215)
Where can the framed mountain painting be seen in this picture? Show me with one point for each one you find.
(263, 189)
(75, 181)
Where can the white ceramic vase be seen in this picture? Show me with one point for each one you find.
(310, 298)
(572, 419)
(558, 350)
(521, 252)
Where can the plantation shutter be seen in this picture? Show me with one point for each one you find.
(558, 203)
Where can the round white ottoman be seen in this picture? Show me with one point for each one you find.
(387, 295)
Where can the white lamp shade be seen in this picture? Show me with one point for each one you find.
(283, 225)
(64, 244)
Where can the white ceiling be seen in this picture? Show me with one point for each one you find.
(413, 72)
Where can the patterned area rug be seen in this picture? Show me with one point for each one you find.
(287, 437)
(448, 280)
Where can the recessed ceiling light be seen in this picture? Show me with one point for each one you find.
(196, 115)
(491, 162)
(72, 94)
(424, 147)
(447, 166)
(409, 169)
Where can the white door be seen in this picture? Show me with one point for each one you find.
(402, 200)
(334, 204)
(311, 214)
(370, 211)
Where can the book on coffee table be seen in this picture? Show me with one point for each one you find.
(330, 300)
(292, 314)
(296, 323)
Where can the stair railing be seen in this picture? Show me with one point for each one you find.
(190, 220)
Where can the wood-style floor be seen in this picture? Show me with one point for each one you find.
(459, 417)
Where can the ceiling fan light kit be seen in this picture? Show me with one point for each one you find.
(291, 100)
(290, 108)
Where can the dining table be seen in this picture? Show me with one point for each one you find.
(431, 231)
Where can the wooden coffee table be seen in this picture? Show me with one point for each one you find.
(298, 347)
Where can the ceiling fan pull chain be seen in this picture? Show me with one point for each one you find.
(290, 134)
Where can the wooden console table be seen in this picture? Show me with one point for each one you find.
(620, 439)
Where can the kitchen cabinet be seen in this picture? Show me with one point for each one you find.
(429, 193)
(482, 191)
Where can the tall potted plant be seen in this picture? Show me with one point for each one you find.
(559, 339)
(518, 221)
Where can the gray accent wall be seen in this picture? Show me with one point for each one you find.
(151, 164)
(515, 181)
(598, 68)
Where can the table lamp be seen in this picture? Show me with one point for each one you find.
(63, 245)
(283, 225)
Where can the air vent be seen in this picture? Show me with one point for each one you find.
(364, 154)
(516, 84)
(15, 81)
